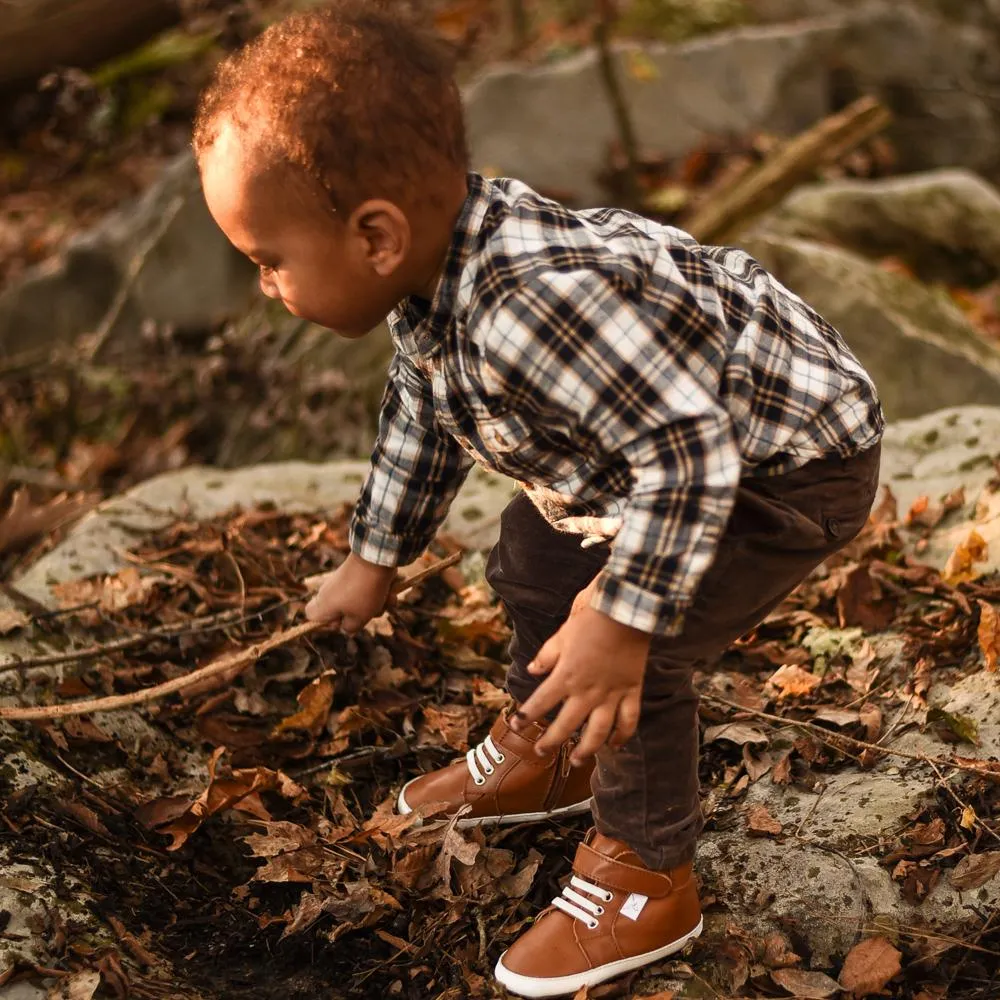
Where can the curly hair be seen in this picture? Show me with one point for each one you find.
(359, 97)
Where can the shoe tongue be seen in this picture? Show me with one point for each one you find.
(612, 848)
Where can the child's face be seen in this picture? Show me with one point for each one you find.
(328, 270)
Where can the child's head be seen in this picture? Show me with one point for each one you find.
(332, 152)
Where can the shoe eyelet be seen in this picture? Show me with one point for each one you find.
(489, 770)
(479, 781)
(593, 924)
(600, 911)
(501, 759)
(608, 896)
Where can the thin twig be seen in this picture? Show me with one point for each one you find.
(224, 665)
(207, 623)
(616, 95)
(95, 349)
(943, 783)
(833, 739)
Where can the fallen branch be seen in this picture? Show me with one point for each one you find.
(834, 739)
(226, 664)
(789, 165)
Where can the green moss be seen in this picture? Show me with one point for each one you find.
(677, 20)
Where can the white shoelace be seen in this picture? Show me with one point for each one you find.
(484, 756)
(579, 907)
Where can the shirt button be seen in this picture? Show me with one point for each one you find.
(833, 527)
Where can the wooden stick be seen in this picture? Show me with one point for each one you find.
(790, 164)
(243, 658)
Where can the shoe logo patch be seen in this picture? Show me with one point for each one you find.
(632, 906)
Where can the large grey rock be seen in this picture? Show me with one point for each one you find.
(936, 454)
(945, 223)
(932, 61)
(922, 352)
(95, 544)
(552, 126)
(188, 275)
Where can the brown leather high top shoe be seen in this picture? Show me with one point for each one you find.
(615, 916)
(505, 781)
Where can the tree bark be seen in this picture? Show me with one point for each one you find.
(37, 36)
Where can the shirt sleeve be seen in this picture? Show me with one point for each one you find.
(416, 470)
(572, 349)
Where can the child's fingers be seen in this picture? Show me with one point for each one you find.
(567, 722)
(547, 657)
(544, 698)
(626, 719)
(319, 610)
(595, 734)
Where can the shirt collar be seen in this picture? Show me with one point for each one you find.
(430, 323)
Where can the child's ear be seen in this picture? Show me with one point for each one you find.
(384, 234)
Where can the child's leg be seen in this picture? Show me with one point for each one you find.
(646, 794)
(537, 571)
(632, 899)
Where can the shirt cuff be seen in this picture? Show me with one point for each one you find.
(383, 548)
(638, 608)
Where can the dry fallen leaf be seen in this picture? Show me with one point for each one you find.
(960, 567)
(926, 834)
(760, 821)
(114, 592)
(989, 634)
(871, 718)
(314, 707)
(869, 965)
(975, 870)
(452, 722)
(968, 821)
(24, 521)
(489, 695)
(808, 985)
(790, 681)
(11, 619)
(241, 791)
(79, 986)
(739, 733)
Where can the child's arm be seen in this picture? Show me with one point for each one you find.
(416, 470)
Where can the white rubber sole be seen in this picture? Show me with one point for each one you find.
(537, 986)
(404, 809)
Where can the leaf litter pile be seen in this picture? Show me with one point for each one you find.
(242, 840)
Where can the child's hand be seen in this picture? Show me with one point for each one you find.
(595, 668)
(352, 594)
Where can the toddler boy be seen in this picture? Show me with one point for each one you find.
(691, 438)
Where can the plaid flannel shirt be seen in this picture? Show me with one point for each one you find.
(624, 374)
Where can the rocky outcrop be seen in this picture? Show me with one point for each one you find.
(919, 347)
(552, 125)
(945, 224)
(186, 273)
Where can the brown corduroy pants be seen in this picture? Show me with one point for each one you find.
(646, 794)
